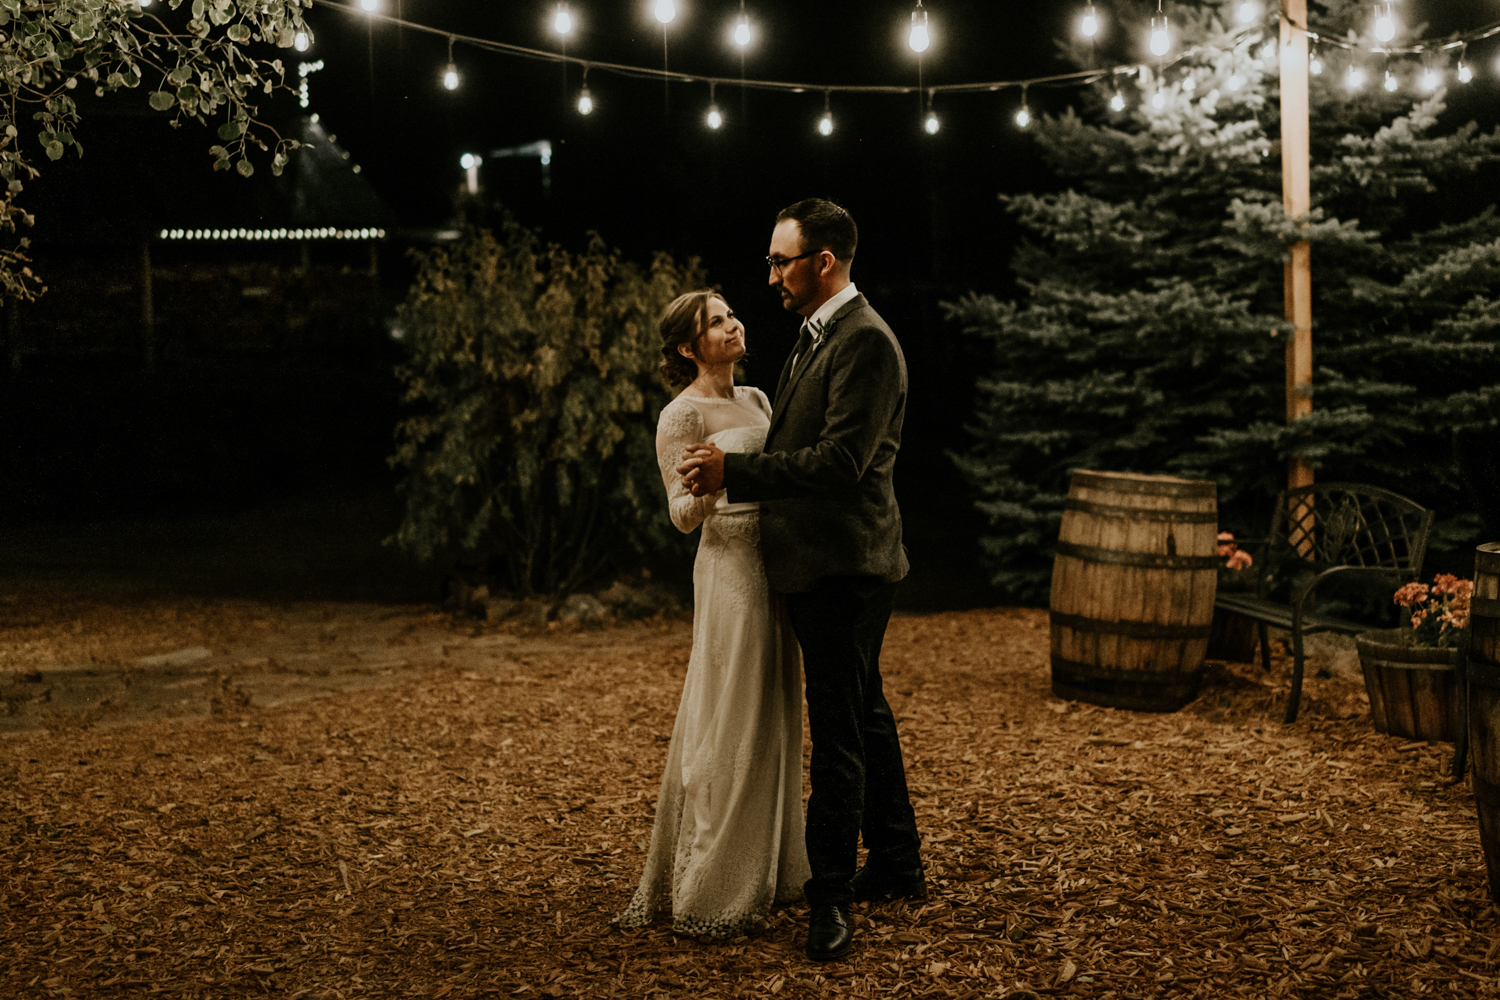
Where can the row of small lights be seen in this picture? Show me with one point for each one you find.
(272, 234)
(1159, 42)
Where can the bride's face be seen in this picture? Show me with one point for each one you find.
(723, 338)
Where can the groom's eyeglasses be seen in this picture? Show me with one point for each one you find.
(778, 264)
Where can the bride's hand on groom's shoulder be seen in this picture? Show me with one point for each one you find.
(702, 469)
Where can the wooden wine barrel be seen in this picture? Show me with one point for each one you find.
(1413, 689)
(1133, 590)
(1484, 704)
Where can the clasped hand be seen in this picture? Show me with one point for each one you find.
(702, 469)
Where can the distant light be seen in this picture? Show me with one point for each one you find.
(1385, 22)
(1118, 101)
(932, 125)
(1430, 79)
(742, 31)
(1158, 100)
(450, 77)
(1236, 81)
(468, 161)
(585, 102)
(1315, 67)
(313, 118)
(1023, 117)
(562, 21)
(666, 11)
(714, 118)
(370, 6)
(1268, 52)
(1355, 78)
(1390, 82)
(144, 3)
(1189, 84)
(1089, 26)
(1465, 74)
(1248, 11)
(825, 124)
(300, 43)
(1161, 38)
(919, 38)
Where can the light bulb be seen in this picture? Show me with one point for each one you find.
(666, 10)
(1430, 79)
(931, 124)
(1090, 23)
(143, 3)
(1268, 52)
(1465, 74)
(1161, 41)
(1355, 78)
(919, 39)
(1390, 82)
(1158, 100)
(300, 43)
(742, 31)
(1189, 84)
(714, 118)
(1236, 81)
(450, 77)
(468, 161)
(369, 6)
(1023, 117)
(1118, 101)
(1385, 22)
(825, 124)
(585, 102)
(1315, 67)
(562, 21)
(1247, 11)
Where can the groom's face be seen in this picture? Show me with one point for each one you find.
(797, 280)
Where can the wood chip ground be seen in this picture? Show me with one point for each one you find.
(472, 831)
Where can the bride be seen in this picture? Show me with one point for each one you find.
(728, 837)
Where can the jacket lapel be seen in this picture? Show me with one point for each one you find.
(790, 381)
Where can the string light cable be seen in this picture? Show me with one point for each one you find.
(1080, 77)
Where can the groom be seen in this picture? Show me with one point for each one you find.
(831, 541)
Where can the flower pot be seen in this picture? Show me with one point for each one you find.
(1413, 689)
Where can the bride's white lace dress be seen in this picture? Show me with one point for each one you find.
(728, 838)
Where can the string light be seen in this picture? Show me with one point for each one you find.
(714, 118)
(1355, 78)
(1235, 81)
(1117, 102)
(143, 4)
(585, 99)
(1431, 78)
(450, 75)
(1315, 65)
(666, 11)
(1268, 51)
(1159, 99)
(1385, 22)
(369, 6)
(562, 20)
(1089, 26)
(468, 161)
(932, 124)
(919, 38)
(825, 124)
(1189, 84)
(1390, 82)
(1161, 38)
(272, 234)
(1248, 11)
(1465, 74)
(742, 31)
(300, 43)
(1023, 117)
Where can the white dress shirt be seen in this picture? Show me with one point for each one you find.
(819, 320)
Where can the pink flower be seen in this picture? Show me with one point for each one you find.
(1240, 560)
(1412, 595)
(1226, 545)
(1446, 584)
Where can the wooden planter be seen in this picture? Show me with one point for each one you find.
(1413, 689)
(1484, 704)
(1133, 590)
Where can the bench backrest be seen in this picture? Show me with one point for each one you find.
(1316, 528)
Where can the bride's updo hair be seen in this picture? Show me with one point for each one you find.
(682, 323)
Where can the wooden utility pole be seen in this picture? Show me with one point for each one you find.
(1296, 193)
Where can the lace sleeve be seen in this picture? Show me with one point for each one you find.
(762, 401)
(680, 425)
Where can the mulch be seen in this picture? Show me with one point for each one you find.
(472, 833)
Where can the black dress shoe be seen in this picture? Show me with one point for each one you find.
(830, 935)
(871, 886)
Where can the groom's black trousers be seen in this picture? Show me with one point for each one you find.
(858, 780)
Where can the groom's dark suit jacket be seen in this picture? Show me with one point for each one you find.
(828, 507)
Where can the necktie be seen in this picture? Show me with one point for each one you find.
(810, 332)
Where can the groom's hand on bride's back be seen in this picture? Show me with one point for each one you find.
(702, 469)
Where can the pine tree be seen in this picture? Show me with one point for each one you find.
(1151, 337)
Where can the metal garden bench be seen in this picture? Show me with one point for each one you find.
(1318, 532)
